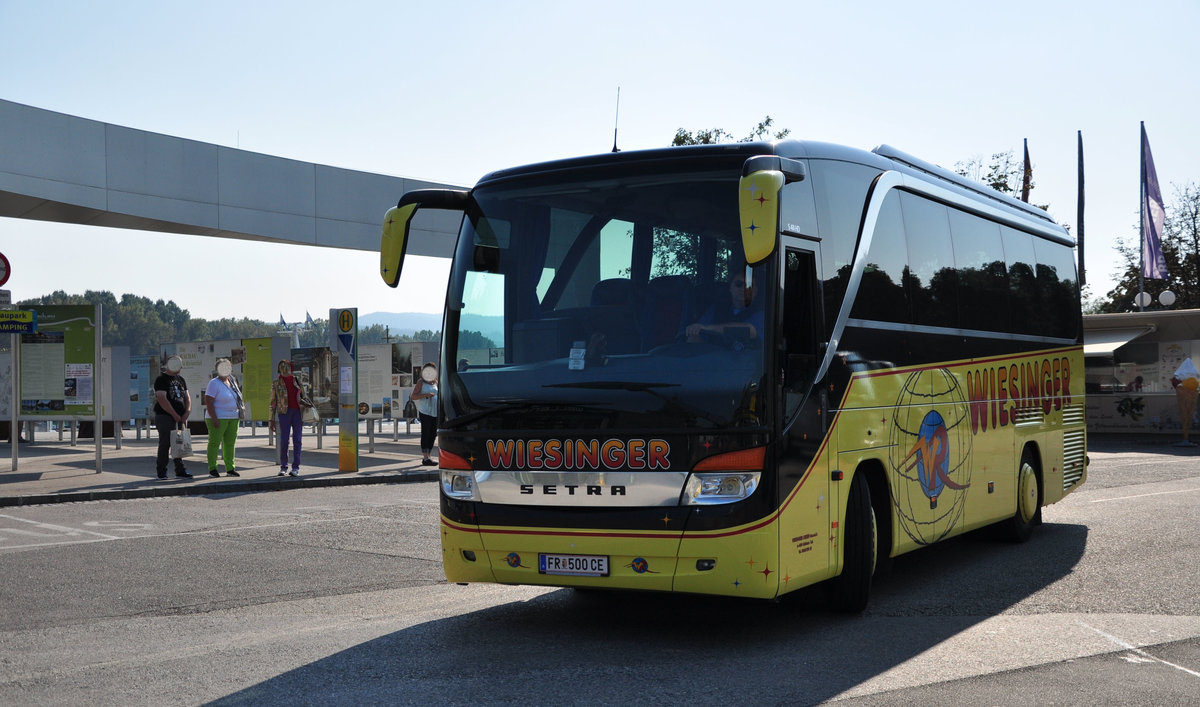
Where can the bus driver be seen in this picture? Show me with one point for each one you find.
(739, 318)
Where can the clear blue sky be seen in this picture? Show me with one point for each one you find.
(449, 91)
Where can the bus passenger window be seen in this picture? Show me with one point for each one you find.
(881, 293)
(1022, 284)
(982, 276)
(934, 286)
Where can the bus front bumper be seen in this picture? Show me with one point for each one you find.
(742, 564)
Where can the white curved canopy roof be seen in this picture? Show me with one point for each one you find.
(57, 167)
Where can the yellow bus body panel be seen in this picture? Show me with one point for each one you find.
(455, 542)
(951, 439)
(746, 562)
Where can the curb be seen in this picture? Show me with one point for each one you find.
(253, 486)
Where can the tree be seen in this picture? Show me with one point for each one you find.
(143, 325)
(675, 252)
(474, 340)
(1004, 173)
(713, 136)
(1181, 250)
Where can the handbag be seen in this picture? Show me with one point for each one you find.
(309, 414)
(243, 408)
(181, 443)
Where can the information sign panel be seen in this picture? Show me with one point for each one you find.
(18, 321)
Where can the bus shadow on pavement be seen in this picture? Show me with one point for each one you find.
(598, 647)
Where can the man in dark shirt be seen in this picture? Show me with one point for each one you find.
(172, 406)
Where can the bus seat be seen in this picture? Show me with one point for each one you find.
(711, 296)
(615, 291)
(667, 310)
(613, 314)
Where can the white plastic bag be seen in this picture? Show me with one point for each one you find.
(181, 443)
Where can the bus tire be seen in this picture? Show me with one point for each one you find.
(1029, 511)
(849, 591)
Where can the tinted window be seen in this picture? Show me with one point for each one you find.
(1022, 282)
(799, 214)
(982, 275)
(881, 295)
(578, 289)
(840, 190)
(587, 289)
(1057, 288)
(934, 287)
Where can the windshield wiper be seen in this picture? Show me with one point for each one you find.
(612, 385)
(673, 404)
(506, 407)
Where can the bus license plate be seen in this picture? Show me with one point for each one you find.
(574, 565)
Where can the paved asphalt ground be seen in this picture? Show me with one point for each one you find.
(50, 470)
(337, 598)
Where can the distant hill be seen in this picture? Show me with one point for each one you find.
(411, 322)
(402, 322)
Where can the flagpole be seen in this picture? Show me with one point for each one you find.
(1142, 219)
(1079, 214)
(1026, 174)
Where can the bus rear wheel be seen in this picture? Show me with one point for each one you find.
(1029, 510)
(849, 591)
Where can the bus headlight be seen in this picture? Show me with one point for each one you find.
(719, 487)
(459, 485)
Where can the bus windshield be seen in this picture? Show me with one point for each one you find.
(605, 300)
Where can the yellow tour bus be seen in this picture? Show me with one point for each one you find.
(745, 369)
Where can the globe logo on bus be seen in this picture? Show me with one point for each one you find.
(930, 455)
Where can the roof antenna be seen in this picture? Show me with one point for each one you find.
(616, 119)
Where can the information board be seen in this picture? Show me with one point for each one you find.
(143, 370)
(60, 363)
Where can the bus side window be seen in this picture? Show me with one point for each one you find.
(801, 322)
(883, 293)
(934, 278)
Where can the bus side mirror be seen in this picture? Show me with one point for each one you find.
(758, 207)
(758, 202)
(394, 241)
(397, 220)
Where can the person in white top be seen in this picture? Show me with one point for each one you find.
(222, 405)
(425, 394)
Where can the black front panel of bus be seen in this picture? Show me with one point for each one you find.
(654, 518)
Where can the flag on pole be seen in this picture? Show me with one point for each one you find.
(1154, 266)
(308, 322)
(1027, 175)
(282, 324)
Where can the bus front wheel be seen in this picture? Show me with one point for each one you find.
(848, 592)
(1029, 510)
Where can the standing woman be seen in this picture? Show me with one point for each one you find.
(425, 394)
(286, 400)
(222, 402)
